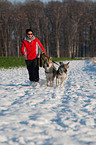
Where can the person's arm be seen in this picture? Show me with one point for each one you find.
(22, 49)
(41, 46)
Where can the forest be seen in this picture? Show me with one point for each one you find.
(66, 29)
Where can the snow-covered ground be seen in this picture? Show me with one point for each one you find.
(41, 115)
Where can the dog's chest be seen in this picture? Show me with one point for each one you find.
(62, 75)
(49, 69)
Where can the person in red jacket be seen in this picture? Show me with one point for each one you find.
(30, 49)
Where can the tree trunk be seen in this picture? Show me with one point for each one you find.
(58, 49)
(90, 42)
(47, 39)
(18, 47)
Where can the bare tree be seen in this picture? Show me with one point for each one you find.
(20, 24)
(5, 10)
(54, 13)
(34, 11)
(66, 29)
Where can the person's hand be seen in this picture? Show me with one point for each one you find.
(43, 53)
(24, 55)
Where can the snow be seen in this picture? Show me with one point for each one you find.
(39, 115)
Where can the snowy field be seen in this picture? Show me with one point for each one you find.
(41, 115)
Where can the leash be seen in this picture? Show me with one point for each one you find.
(49, 57)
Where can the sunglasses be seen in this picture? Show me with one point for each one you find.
(30, 34)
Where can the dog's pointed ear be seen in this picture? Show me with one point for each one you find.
(68, 63)
(60, 62)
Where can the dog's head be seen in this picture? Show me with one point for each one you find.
(47, 61)
(63, 67)
(50, 60)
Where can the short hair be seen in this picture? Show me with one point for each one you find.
(27, 30)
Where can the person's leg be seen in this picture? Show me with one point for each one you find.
(36, 69)
(33, 69)
(28, 64)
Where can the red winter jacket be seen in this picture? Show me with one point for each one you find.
(32, 49)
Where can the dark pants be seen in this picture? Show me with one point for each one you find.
(33, 69)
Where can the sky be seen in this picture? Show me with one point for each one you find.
(41, 0)
(25, 0)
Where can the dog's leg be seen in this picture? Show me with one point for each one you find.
(47, 82)
(51, 83)
(62, 82)
(57, 81)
